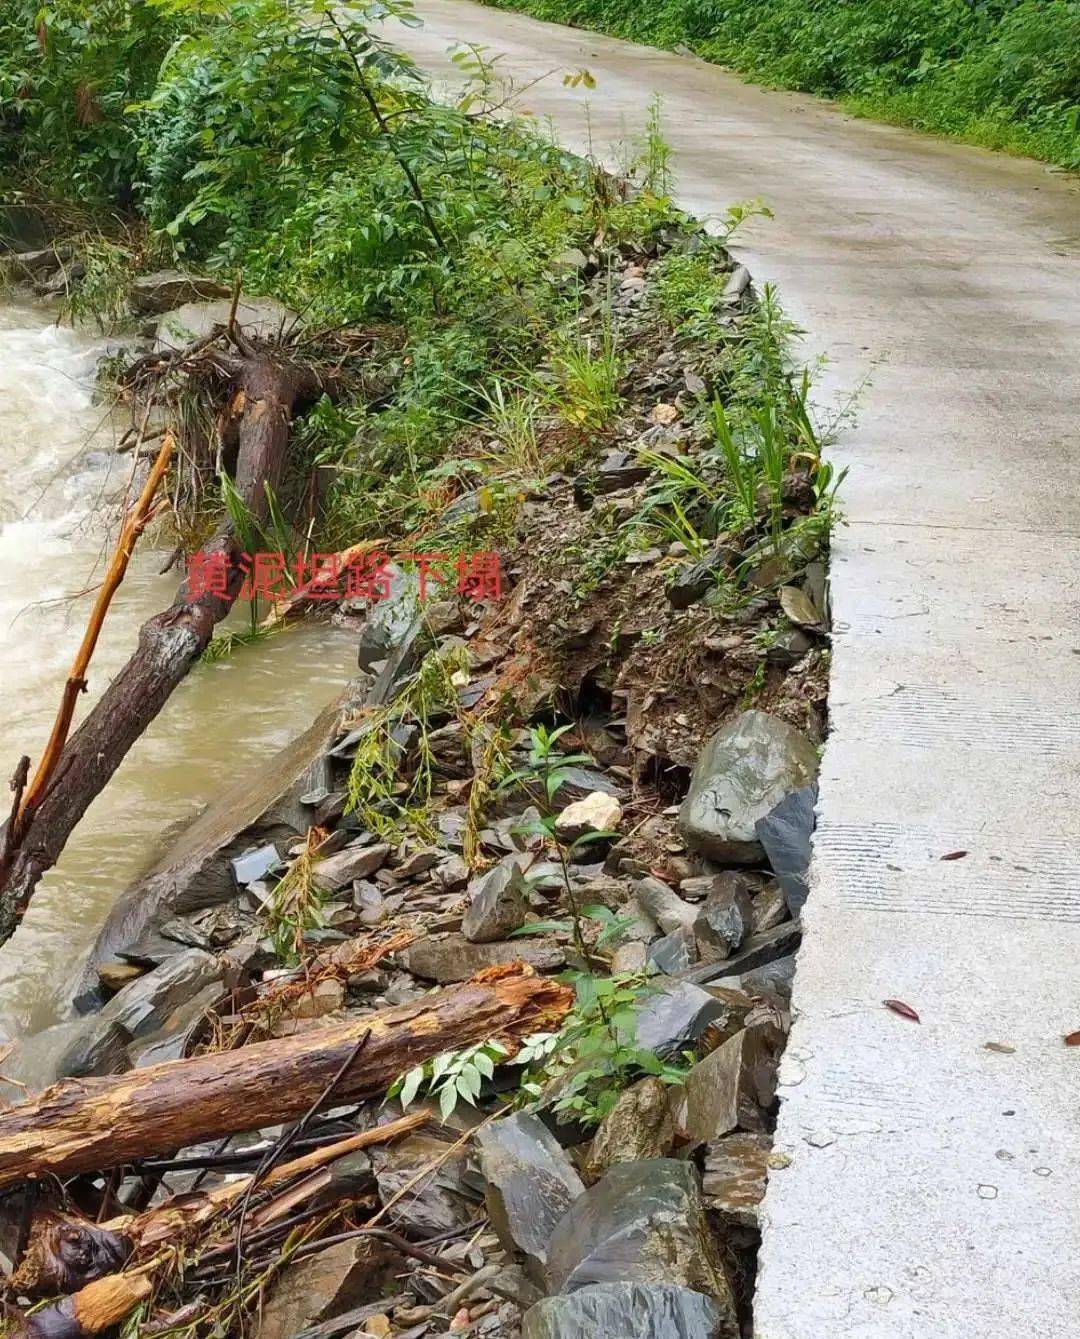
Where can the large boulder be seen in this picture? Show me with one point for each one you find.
(152, 294)
(196, 869)
(530, 1185)
(144, 1006)
(258, 318)
(643, 1223)
(391, 618)
(741, 775)
(629, 1311)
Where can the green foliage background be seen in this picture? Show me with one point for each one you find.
(1004, 73)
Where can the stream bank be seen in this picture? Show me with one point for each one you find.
(606, 771)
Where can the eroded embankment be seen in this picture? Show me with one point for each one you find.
(601, 766)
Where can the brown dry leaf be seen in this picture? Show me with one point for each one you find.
(1073, 1039)
(904, 1010)
(1001, 1047)
(954, 855)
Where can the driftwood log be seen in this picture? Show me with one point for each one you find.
(81, 1125)
(265, 391)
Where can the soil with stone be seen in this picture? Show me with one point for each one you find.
(699, 738)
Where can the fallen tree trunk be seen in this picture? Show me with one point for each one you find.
(82, 1125)
(170, 643)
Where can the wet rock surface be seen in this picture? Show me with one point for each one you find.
(644, 1222)
(629, 1311)
(742, 774)
(530, 1185)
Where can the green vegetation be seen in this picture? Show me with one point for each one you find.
(1002, 73)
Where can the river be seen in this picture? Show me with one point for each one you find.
(59, 476)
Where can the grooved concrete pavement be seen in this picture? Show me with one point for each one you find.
(933, 1188)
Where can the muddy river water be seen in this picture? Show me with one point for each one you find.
(59, 479)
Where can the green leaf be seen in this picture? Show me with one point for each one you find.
(411, 1085)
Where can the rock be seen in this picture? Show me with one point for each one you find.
(788, 648)
(785, 833)
(799, 608)
(354, 862)
(597, 812)
(391, 618)
(255, 864)
(769, 908)
(733, 1183)
(325, 996)
(695, 581)
(630, 957)
(418, 862)
(499, 903)
(152, 294)
(672, 1018)
(440, 1201)
(530, 1185)
(170, 1041)
(452, 875)
(639, 1125)
(737, 284)
(578, 782)
(757, 951)
(775, 978)
(732, 1088)
(644, 1222)
(103, 1050)
(143, 1006)
(664, 905)
(322, 1286)
(640, 926)
(449, 958)
(35, 265)
(629, 1311)
(725, 918)
(115, 975)
(258, 318)
(674, 952)
(741, 775)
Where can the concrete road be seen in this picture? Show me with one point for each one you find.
(933, 1188)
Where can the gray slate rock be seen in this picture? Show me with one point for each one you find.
(726, 916)
(786, 833)
(144, 1006)
(449, 958)
(674, 952)
(758, 951)
(628, 1311)
(741, 775)
(674, 1017)
(499, 903)
(354, 862)
(530, 1185)
(390, 620)
(644, 1222)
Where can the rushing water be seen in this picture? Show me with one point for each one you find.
(58, 475)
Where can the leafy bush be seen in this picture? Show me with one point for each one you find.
(1001, 72)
